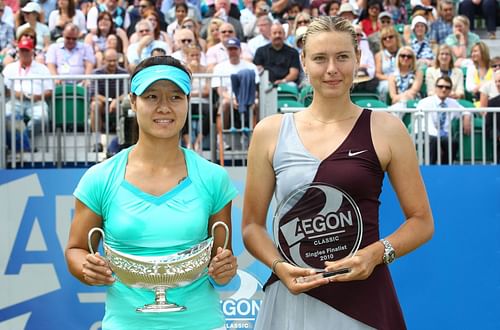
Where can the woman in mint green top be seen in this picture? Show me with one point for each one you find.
(461, 41)
(154, 199)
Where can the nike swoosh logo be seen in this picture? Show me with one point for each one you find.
(186, 201)
(352, 154)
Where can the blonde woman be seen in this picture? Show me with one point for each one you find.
(480, 72)
(444, 66)
(385, 59)
(405, 83)
(314, 145)
(213, 35)
(461, 41)
(302, 19)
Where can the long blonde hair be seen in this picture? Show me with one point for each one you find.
(413, 64)
(210, 37)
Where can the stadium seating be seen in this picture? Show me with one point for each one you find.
(288, 92)
(364, 96)
(66, 96)
(466, 103)
(306, 95)
(370, 103)
(284, 104)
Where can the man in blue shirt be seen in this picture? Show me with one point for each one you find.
(443, 26)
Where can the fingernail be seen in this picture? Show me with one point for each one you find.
(108, 272)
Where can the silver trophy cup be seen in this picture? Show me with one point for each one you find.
(160, 273)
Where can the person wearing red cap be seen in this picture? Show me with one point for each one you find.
(28, 97)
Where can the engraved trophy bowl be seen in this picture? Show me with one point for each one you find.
(160, 273)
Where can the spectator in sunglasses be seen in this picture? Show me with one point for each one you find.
(438, 123)
(70, 57)
(183, 39)
(142, 48)
(444, 66)
(191, 24)
(405, 83)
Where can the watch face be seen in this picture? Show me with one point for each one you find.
(391, 256)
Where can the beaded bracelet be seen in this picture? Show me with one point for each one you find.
(275, 263)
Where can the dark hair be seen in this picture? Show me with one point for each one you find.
(158, 60)
(445, 78)
(292, 5)
(71, 8)
(183, 5)
(161, 50)
(101, 15)
(119, 43)
(326, 10)
(375, 3)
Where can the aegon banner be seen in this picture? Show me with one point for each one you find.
(445, 284)
(37, 291)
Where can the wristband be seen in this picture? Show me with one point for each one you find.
(275, 263)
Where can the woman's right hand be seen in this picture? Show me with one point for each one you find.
(96, 270)
(288, 274)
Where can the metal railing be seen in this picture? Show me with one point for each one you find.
(479, 146)
(65, 137)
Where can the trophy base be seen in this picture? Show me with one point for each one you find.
(160, 308)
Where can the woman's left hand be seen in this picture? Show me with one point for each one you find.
(223, 266)
(360, 265)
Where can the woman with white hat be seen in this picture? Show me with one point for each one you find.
(31, 14)
(420, 43)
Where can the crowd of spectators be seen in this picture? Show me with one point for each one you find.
(406, 46)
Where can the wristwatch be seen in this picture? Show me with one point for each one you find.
(389, 252)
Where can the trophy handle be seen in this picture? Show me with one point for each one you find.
(220, 223)
(89, 239)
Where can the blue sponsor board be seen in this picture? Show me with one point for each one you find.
(446, 284)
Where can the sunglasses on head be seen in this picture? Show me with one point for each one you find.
(447, 87)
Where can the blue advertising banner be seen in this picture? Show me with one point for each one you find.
(453, 282)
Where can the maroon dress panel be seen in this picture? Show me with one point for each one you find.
(355, 168)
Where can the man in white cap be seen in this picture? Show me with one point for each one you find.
(347, 11)
(27, 97)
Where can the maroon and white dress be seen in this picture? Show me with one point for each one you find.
(354, 168)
